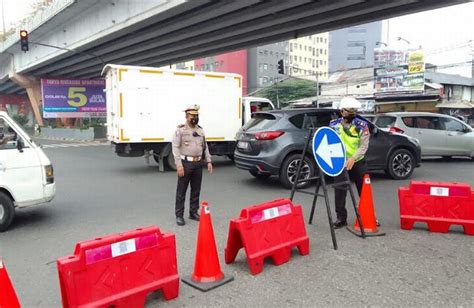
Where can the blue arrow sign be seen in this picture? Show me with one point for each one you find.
(329, 151)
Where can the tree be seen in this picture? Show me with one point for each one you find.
(288, 90)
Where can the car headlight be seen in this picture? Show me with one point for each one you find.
(49, 171)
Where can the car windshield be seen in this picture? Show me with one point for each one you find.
(385, 121)
(260, 121)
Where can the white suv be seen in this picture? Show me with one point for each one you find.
(439, 134)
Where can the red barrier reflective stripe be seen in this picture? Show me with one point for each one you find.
(441, 191)
(97, 254)
(270, 213)
(120, 248)
(146, 241)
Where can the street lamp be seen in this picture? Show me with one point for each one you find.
(402, 39)
(380, 43)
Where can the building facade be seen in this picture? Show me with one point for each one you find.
(353, 47)
(263, 65)
(308, 57)
(303, 58)
(231, 62)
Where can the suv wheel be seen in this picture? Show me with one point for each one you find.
(400, 164)
(7, 211)
(290, 167)
(259, 175)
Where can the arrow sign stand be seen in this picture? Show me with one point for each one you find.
(323, 152)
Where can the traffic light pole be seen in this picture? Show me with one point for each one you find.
(278, 99)
(73, 50)
(317, 88)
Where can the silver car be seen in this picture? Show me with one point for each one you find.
(439, 134)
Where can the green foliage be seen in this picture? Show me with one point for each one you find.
(288, 90)
(22, 120)
(87, 123)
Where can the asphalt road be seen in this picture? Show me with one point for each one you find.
(99, 193)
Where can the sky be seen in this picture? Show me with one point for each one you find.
(14, 10)
(433, 30)
(446, 29)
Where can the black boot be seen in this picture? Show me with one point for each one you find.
(180, 221)
(339, 224)
(194, 216)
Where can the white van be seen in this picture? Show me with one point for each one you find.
(26, 174)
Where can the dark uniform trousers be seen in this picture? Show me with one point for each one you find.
(193, 175)
(356, 174)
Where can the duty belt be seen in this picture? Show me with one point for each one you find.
(191, 158)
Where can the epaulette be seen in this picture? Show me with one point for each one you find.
(199, 126)
(335, 122)
(360, 123)
(180, 126)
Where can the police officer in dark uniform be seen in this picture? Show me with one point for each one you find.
(354, 133)
(190, 151)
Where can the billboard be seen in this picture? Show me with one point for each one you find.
(399, 70)
(73, 98)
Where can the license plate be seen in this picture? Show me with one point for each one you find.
(243, 145)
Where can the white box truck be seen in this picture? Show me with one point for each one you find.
(146, 104)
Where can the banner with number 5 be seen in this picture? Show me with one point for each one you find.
(73, 98)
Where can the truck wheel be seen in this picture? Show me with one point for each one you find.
(7, 211)
(290, 166)
(400, 165)
(169, 162)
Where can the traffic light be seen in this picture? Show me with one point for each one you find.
(281, 67)
(24, 40)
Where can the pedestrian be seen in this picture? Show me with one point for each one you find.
(190, 151)
(354, 133)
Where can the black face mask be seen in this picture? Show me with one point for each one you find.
(195, 121)
(349, 118)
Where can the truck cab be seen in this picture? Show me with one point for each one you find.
(254, 104)
(26, 173)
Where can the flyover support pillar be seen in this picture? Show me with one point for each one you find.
(33, 89)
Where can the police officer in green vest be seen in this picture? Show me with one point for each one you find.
(354, 133)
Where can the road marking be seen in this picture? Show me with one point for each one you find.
(72, 145)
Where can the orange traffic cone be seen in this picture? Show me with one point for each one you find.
(366, 212)
(207, 272)
(8, 297)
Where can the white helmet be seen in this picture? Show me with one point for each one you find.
(349, 103)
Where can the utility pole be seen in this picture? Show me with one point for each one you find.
(3, 21)
(278, 99)
(317, 88)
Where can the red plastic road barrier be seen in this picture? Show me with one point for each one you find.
(270, 229)
(120, 270)
(437, 204)
(8, 297)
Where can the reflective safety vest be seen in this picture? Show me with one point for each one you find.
(350, 135)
